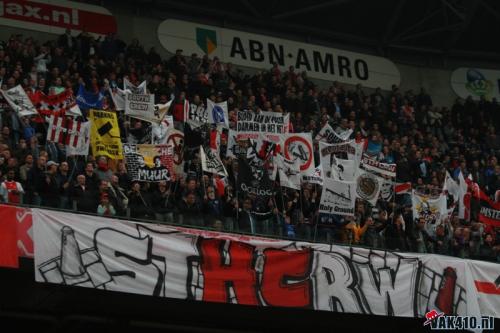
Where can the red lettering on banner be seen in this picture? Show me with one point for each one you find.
(221, 271)
(285, 280)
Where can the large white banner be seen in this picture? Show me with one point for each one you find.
(261, 51)
(299, 147)
(19, 101)
(476, 82)
(163, 261)
(338, 197)
(262, 122)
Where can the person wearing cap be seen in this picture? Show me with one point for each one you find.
(50, 193)
(105, 208)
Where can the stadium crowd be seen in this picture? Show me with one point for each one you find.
(405, 128)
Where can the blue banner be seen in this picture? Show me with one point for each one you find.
(88, 100)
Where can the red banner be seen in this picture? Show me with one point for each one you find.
(20, 219)
(490, 211)
(8, 249)
(54, 16)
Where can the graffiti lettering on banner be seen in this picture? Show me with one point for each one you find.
(149, 163)
(197, 115)
(338, 197)
(385, 169)
(263, 122)
(298, 147)
(105, 134)
(166, 261)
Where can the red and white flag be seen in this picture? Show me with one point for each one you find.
(57, 129)
(402, 188)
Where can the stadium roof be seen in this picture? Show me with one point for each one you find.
(462, 29)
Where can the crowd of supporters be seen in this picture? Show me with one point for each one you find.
(405, 128)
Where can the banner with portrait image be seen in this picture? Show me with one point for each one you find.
(349, 150)
(433, 210)
(149, 163)
(211, 162)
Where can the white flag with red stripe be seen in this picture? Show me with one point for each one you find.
(57, 128)
(77, 138)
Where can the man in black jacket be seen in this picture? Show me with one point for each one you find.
(85, 197)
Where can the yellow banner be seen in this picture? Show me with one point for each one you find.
(105, 134)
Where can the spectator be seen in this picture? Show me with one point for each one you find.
(105, 208)
(163, 203)
(10, 190)
(83, 196)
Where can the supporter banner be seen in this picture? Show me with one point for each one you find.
(211, 163)
(75, 135)
(149, 163)
(262, 122)
(315, 178)
(59, 105)
(451, 187)
(260, 51)
(464, 198)
(253, 177)
(160, 131)
(197, 115)
(344, 170)
(328, 152)
(217, 113)
(129, 87)
(233, 147)
(299, 147)
(118, 97)
(55, 16)
(190, 264)
(24, 231)
(338, 197)
(141, 106)
(328, 135)
(105, 134)
(19, 101)
(432, 210)
(88, 100)
(476, 82)
(368, 186)
(289, 172)
(490, 211)
(378, 167)
(387, 189)
(8, 246)
(403, 188)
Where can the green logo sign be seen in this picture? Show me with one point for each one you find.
(206, 40)
(477, 83)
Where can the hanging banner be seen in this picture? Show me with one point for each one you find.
(262, 122)
(315, 178)
(88, 100)
(189, 264)
(105, 134)
(432, 210)
(262, 51)
(131, 88)
(233, 147)
(118, 97)
(338, 197)
(217, 113)
(19, 101)
(344, 170)
(253, 177)
(328, 135)
(476, 82)
(490, 211)
(75, 135)
(141, 107)
(160, 131)
(211, 163)
(348, 150)
(299, 147)
(368, 186)
(380, 168)
(289, 172)
(149, 163)
(55, 16)
(197, 115)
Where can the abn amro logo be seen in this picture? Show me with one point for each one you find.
(206, 40)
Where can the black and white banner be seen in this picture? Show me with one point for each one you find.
(328, 135)
(149, 163)
(289, 172)
(211, 163)
(315, 178)
(159, 131)
(233, 146)
(299, 147)
(189, 264)
(344, 170)
(19, 101)
(253, 177)
(262, 122)
(368, 186)
(217, 113)
(348, 150)
(385, 169)
(338, 197)
(129, 87)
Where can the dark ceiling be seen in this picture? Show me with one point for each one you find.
(468, 29)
